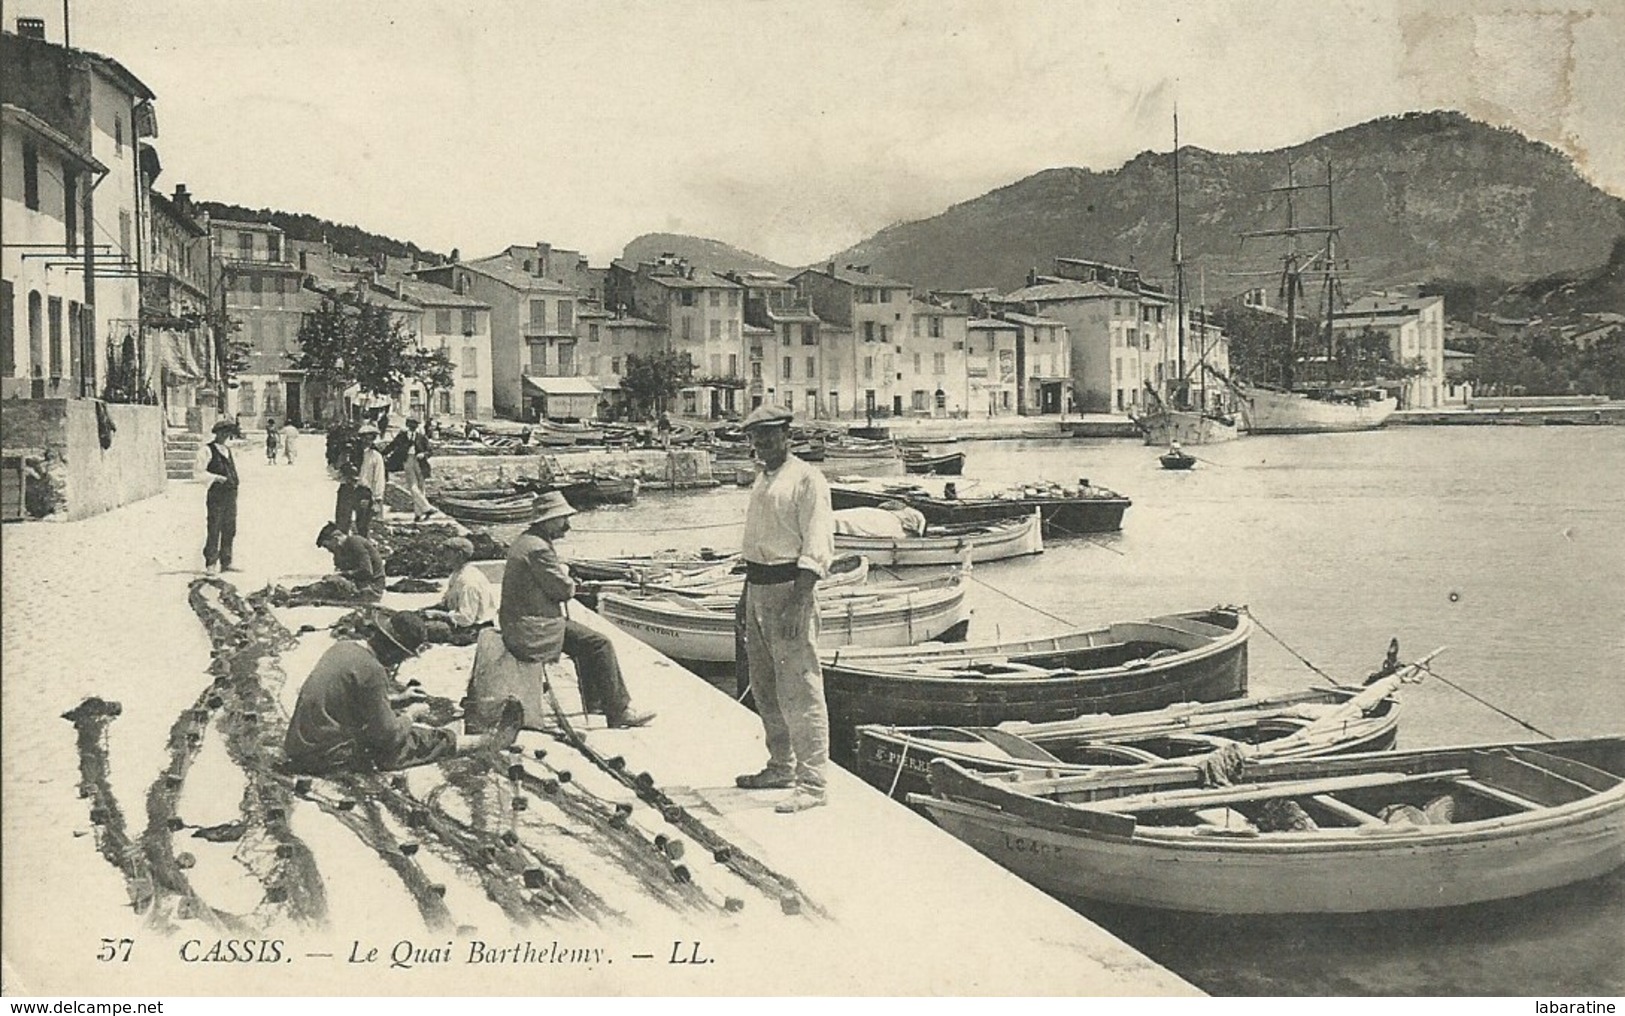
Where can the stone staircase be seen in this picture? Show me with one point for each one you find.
(180, 454)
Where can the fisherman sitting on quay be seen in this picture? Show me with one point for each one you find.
(350, 718)
(469, 603)
(358, 566)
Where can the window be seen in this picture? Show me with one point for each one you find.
(614, 365)
(76, 335)
(936, 328)
(688, 329)
(716, 363)
(245, 246)
(808, 336)
(686, 298)
(471, 403)
(812, 367)
(885, 333)
(30, 176)
(885, 296)
(445, 401)
(939, 363)
(916, 363)
(53, 317)
(118, 134)
(471, 361)
(567, 316)
(733, 364)
(273, 399)
(442, 321)
(733, 329)
(789, 400)
(592, 333)
(959, 346)
(789, 369)
(538, 315)
(868, 331)
(567, 359)
(834, 402)
(868, 367)
(245, 398)
(786, 335)
(470, 322)
(716, 328)
(917, 322)
(124, 230)
(256, 285)
(273, 247)
(1117, 372)
(756, 370)
(733, 297)
(917, 399)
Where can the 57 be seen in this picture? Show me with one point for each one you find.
(115, 949)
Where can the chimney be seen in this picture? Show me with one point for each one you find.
(456, 255)
(182, 199)
(31, 28)
(542, 251)
(1032, 276)
(832, 268)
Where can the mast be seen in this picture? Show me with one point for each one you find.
(1179, 272)
(1292, 265)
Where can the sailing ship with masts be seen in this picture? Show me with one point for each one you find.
(1304, 403)
(1180, 412)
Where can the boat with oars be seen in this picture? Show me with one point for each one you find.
(1176, 458)
(950, 544)
(1314, 721)
(1126, 666)
(1371, 832)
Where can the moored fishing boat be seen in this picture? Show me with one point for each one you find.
(1312, 410)
(1315, 721)
(1175, 458)
(1372, 832)
(1197, 656)
(943, 464)
(949, 545)
(701, 628)
(1067, 511)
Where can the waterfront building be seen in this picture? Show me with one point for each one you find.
(934, 359)
(990, 367)
(703, 314)
(77, 130)
(1109, 348)
(1414, 329)
(784, 347)
(175, 310)
(265, 300)
(872, 314)
(607, 340)
(1458, 390)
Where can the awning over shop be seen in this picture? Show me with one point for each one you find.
(564, 398)
(560, 385)
(176, 350)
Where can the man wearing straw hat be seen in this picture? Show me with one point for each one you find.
(349, 718)
(788, 544)
(536, 587)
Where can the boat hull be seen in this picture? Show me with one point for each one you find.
(1063, 516)
(1187, 428)
(887, 688)
(997, 542)
(952, 464)
(1272, 412)
(1346, 870)
(707, 636)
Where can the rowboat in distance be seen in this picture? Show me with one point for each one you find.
(1315, 721)
(1123, 667)
(700, 628)
(953, 544)
(941, 464)
(1068, 511)
(1372, 832)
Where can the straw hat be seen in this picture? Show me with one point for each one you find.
(550, 505)
(402, 627)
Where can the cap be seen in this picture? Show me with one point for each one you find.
(328, 529)
(224, 424)
(768, 415)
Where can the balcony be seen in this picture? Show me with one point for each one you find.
(542, 370)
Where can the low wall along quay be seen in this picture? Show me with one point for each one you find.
(53, 447)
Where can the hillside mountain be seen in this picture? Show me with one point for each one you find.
(696, 250)
(346, 239)
(1420, 196)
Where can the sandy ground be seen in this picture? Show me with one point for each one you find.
(100, 608)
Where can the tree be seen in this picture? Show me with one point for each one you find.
(343, 344)
(431, 368)
(652, 381)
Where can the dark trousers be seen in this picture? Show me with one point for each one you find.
(361, 504)
(598, 670)
(344, 507)
(222, 504)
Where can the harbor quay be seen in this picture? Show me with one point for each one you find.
(328, 889)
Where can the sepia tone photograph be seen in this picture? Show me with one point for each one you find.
(860, 498)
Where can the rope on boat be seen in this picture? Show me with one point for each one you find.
(891, 791)
(1010, 596)
(1301, 658)
(1082, 536)
(1486, 704)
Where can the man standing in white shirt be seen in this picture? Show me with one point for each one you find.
(218, 468)
(788, 545)
(369, 490)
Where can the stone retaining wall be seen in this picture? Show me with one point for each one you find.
(81, 477)
(679, 468)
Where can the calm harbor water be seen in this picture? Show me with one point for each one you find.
(1502, 544)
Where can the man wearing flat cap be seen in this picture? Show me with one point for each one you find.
(536, 587)
(356, 561)
(469, 603)
(217, 466)
(350, 718)
(788, 544)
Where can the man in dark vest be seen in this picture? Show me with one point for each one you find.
(217, 466)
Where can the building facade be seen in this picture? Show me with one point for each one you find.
(175, 311)
(264, 298)
(866, 317)
(1414, 329)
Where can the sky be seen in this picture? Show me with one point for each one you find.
(795, 129)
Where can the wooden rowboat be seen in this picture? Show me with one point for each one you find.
(1380, 831)
(1127, 666)
(701, 628)
(1068, 511)
(947, 545)
(947, 464)
(1315, 721)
